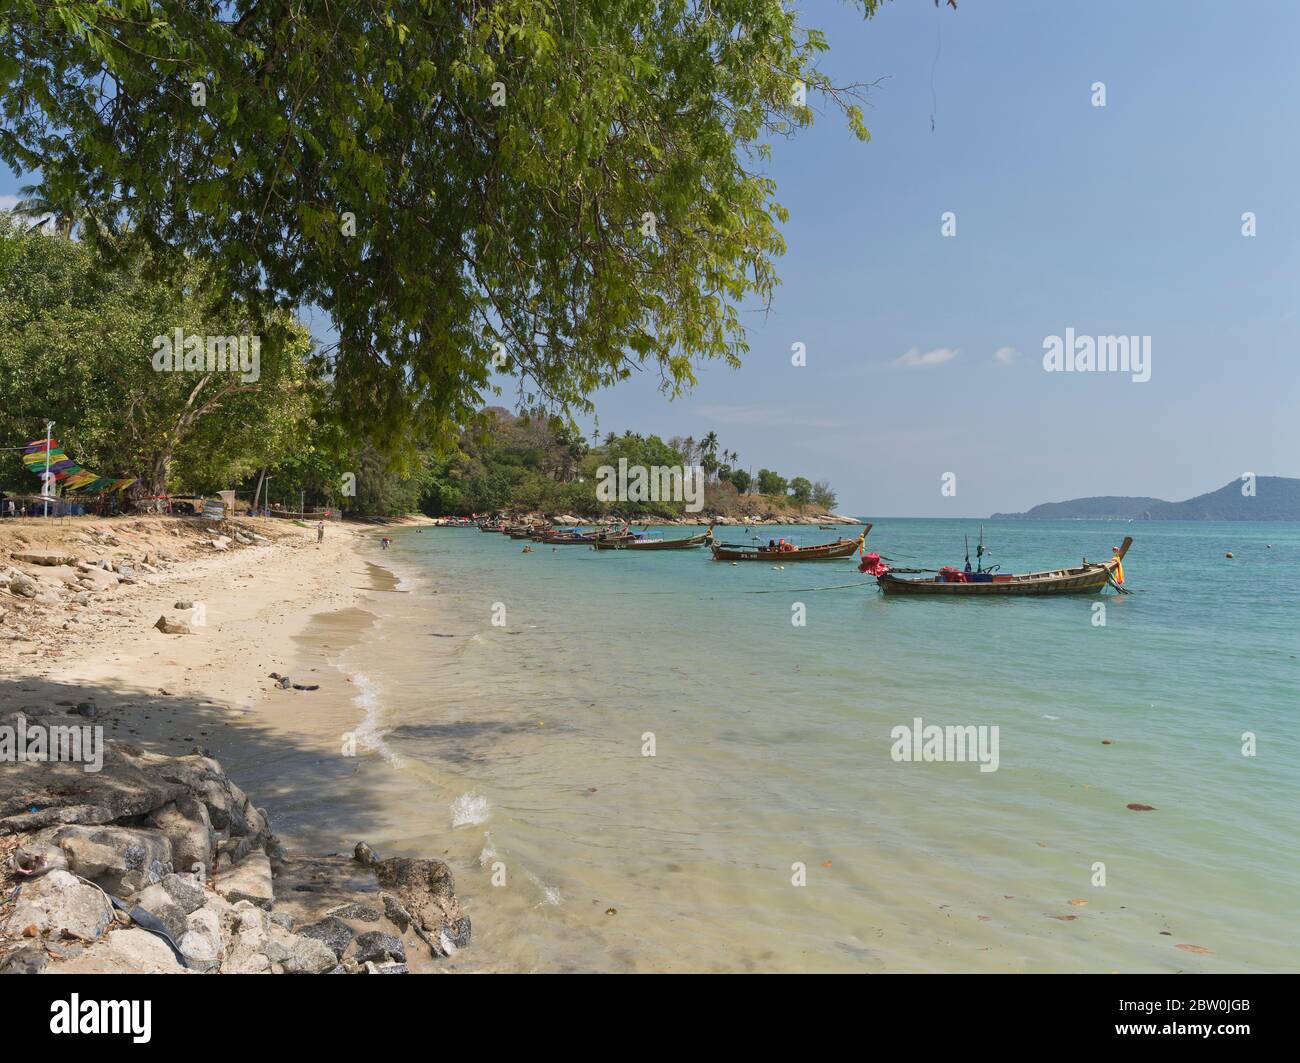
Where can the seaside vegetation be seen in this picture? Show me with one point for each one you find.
(546, 196)
(77, 333)
(562, 194)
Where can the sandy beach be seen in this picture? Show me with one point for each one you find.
(287, 606)
(211, 687)
(204, 653)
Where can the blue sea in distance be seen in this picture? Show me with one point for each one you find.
(517, 750)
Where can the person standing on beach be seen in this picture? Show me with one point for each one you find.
(320, 531)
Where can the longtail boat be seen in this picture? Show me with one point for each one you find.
(657, 544)
(573, 538)
(489, 526)
(1088, 578)
(786, 552)
(524, 531)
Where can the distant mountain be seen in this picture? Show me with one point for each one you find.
(1107, 507)
(1275, 498)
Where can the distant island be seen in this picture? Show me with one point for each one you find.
(1274, 498)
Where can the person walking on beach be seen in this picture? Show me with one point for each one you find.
(320, 531)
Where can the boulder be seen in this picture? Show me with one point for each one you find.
(247, 951)
(159, 903)
(362, 913)
(201, 944)
(249, 880)
(186, 890)
(123, 860)
(22, 584)
(59, 903)
(425, 890)
(64, 574)
(332, 931)
(91, 859)
(309, 956)
(188, 827)
(231, 851)
(172, 627)
(26, 959)
(374, 946)
(49, 559)
(99, 579)
(131, 951)
(397, 915)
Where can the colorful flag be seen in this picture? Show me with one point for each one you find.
(67, 472)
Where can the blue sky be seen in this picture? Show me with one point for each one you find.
(1123, 219)
(1116, 220)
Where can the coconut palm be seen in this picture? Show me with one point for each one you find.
(37, 205)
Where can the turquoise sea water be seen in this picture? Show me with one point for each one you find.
(517, 748)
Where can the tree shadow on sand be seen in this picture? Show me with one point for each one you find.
(309, 790)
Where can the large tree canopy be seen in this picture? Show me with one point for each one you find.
(77, 346)
(565, 191)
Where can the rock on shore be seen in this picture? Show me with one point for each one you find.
(201, 883)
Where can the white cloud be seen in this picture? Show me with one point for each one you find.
(8, 202)
(1005, 355)
(914, 359)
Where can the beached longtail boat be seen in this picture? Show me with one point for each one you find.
(784, 552)
(1090, 577)
(656, 544)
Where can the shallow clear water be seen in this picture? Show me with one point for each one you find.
(517, 751)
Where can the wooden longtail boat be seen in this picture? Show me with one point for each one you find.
(657, 544)
(824, 552)
(524, 531)
(587, 538)
(1088, 578)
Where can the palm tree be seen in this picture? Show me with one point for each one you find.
(37, 205)
(709, 444)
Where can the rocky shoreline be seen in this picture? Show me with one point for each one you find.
(161, 864)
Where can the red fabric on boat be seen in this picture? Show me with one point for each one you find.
(872, 565)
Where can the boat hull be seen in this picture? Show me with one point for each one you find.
(1085, 579)
(664, 544)
(826, 552)
(1090, 581)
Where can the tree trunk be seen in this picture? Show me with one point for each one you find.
(159, 471)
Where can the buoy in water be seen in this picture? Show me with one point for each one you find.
(1228, 554)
